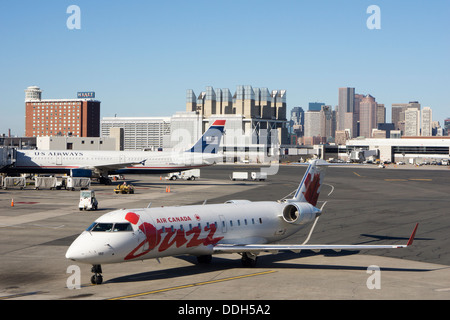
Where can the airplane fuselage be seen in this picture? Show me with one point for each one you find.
(192, 230)
(62, 161)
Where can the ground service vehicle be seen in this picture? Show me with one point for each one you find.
(88, 201)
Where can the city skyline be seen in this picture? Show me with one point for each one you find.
(141, 57)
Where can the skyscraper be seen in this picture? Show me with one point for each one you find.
(412, 122)
(312, 124)
(346, 108)
(315, 106)
(398, 114)
(447, 126)
(427, 119)
(367, 116)
(381, 113)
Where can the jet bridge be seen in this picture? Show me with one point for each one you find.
(7, 157)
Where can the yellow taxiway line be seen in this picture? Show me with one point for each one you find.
(191, 285)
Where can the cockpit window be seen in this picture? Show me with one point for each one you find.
(122, 227)
(105, 227)
(91, 226)
(108, 227)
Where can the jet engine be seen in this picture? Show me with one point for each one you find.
(300, 213)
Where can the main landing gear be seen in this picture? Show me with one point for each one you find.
(249, 259)
(97, 277)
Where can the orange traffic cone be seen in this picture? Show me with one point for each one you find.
(160, 178)
(12, 202)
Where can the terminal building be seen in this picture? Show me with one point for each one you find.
(413, 150)
(67, 117)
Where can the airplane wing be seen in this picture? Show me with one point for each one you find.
(112, 166)
(255, 248)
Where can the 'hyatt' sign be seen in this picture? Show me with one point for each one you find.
(86, 94)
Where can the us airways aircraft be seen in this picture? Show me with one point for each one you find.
(101, 163)
(236, 226)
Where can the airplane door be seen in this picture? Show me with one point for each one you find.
(58, 160)
(223, 223)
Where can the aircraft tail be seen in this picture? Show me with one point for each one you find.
(309, 188)
(210, 141)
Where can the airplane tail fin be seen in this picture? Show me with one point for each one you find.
(210, 141)
(309, 188)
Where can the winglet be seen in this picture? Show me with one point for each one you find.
(410, 241)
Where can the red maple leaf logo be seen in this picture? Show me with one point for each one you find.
(311, 188)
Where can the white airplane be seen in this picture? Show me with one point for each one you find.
(236, 226)
(101, 163)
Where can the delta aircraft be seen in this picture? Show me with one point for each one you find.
(236, 226)
(101, 163)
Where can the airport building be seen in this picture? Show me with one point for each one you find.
(76, 143)
(407, 149)
(67, 117)
(255, 120)
(138, 133)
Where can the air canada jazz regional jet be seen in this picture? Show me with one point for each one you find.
(101, 163)
(236, 226)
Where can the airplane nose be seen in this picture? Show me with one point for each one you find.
(91, 250)
(80, 249)
(73, 254)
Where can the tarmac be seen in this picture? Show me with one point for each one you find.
(364, 205)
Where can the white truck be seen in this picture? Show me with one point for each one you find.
(239, 176)
(185, 175)
(261, 176)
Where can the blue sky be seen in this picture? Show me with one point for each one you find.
(141, 56)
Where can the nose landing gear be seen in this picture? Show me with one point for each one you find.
(97, 277)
